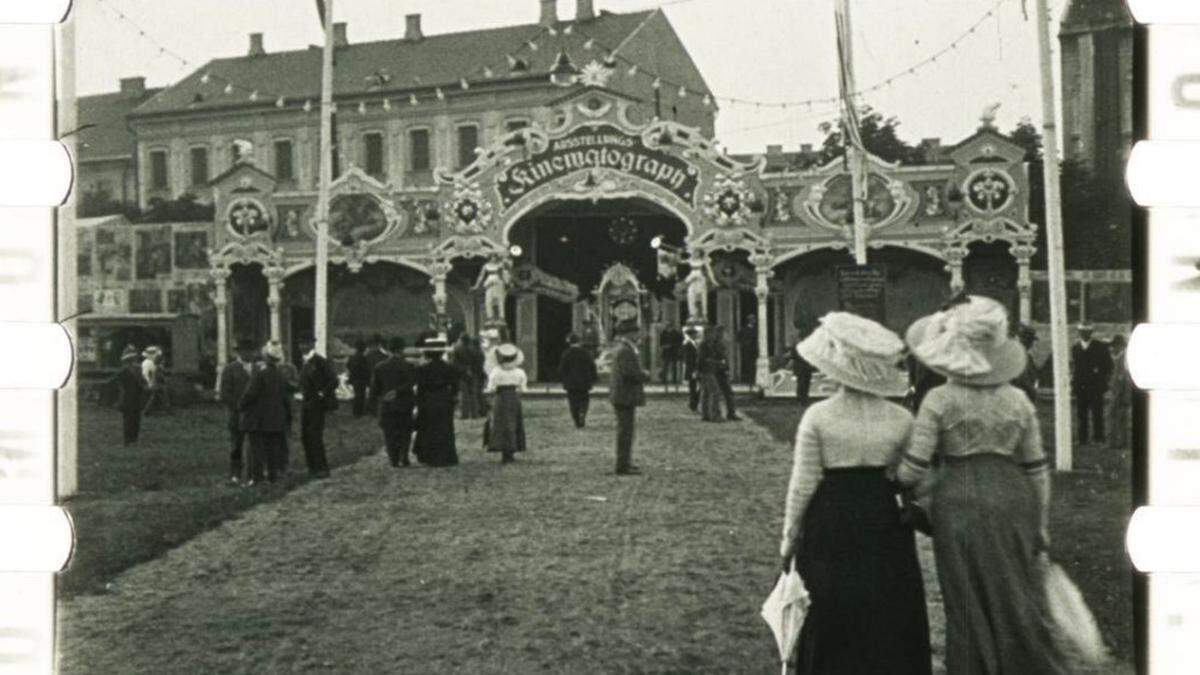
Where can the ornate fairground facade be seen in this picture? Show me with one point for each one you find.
(566, 205)
(550, 221)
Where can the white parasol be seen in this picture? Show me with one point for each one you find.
(784, 611)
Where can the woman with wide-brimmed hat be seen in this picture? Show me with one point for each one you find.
(991, 494)
(437, 393)
(842, 525)
(504, 431)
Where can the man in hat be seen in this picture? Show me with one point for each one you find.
(802, 370)
(1092, 369)
(691, 363)
(714, 360)
(318, 395)
(577, 370)
(393, 394)
(375, 355)
(1027, 380)
(358, 374)
(264, 415)
(234, 378)
(626, 390)
(131, 390)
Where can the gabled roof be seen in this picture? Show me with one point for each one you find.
(1084, 15)
(110, 137)
(411, 65)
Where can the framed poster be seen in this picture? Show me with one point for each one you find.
(861, 290)
(153, 252)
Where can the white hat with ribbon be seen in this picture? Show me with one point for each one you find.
(858, 353)
(969, 343)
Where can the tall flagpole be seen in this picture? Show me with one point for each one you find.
(854, 152)
(1055, 266)
(321, 296)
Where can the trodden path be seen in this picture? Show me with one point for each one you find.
(551, 564)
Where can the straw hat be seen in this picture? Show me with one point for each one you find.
(858, 353)
(509, 355)
(969, 343)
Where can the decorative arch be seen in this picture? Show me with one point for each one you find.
(303, 265)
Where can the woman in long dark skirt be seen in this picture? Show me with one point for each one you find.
(505, 429)
(437, 389)
(842, 525)
(990, 496)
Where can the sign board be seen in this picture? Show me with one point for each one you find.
(861, 290)
(599, 147)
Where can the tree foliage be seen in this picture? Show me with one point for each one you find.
(880, 135)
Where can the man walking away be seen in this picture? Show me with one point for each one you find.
(393, 394)
(803, 372)
(691, 365)
(1122, 397)
(714, 354)
(358, 372)
(291, 385)
(264, 414)
(671, 342)
(1093, 367)
(234, 378)
(578, 373)
(626, 391)
(375, 355)
(1027, 380)
(318, 387)
(131, 390)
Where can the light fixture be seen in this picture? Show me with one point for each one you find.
(656, 242)
(515, 251)
(564, 73)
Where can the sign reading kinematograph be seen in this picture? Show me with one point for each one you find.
(602, 147)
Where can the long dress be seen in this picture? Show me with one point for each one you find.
(989, 496)
(857, 559)
(505, 428)
(437, 387)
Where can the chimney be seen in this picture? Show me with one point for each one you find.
(133, 86)
(412, 27)
(256, 44)
(339, 35)
(806, 148)
(932, 143)
(584, 10)
(549, 13)
(774, 149)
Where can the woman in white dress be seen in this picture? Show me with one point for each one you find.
(505, 429)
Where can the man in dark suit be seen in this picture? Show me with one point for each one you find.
(131, 391)
(358, 373)
(691, 365)
(714, 359)
(803, 372)
(1092, 369)
(375, 355)
(264, 414)
(626, 391)
(318, 395)
(234, 378)
(392, 392)
(577, 370)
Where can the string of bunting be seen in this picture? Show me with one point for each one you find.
(516, 63)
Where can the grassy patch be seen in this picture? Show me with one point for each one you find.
(1088, 520)
(136, 502)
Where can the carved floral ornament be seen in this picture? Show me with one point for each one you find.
(473, 246)
(468, 211)
(246, 252)
(990, 230)
(730, 203)
(989, 190)
(246, 217)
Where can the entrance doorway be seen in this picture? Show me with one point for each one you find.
(578, 241)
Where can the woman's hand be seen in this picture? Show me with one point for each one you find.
(786, 553)
(1042, 545)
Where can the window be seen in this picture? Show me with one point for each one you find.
(373, 154)
(418, 150)
(513, 125)
(158, 169)
(284, 170)
(468, 140)
(199, 166)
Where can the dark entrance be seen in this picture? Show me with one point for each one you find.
(578, 241)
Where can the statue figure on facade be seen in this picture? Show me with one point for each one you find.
(494, 280)
(697, 292)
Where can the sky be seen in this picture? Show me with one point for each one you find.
(761, 50)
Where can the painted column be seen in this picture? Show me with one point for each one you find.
(954, 265)
(1023, 253)
(439, 270)
(762, 291)
(727, 317)
(274, 276)
(220, 277)
(527, 329)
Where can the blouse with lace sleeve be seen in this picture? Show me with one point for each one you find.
(959, 421)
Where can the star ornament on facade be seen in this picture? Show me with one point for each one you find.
(245, 217)
(595, 74)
